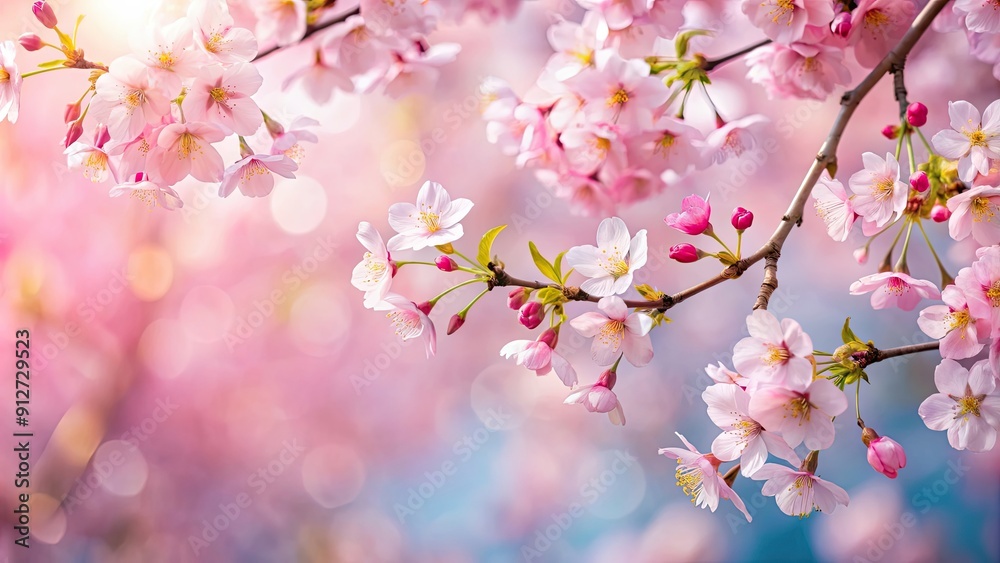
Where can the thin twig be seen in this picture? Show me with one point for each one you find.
(882, 355)
(710, 65)
(310, 30)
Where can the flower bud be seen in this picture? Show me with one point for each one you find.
(30, 41)
(685, 253)
(550, 337)
(425, 307)
(890, 132)
(72, 112)
(884, 454)
(455, 323)
(531, 314)
(73, 133)
(861, 255)
(916, 114)
(919, 181)
(608, 379)
(44, 13)
(841, 24)
(101, 136)
(518, 297)
(940, 213)
(742, 219)
(446, 263)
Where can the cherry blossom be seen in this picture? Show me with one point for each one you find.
(417, 69)
(540, 356)
(91, 157)
(281, 21)
(876, 26)
(967, 405)
(320, 78)
(975, 212)
(151, 193)
(980, 283)
(732, 139)
(694, 216)
(980, 16)
(186, 148)
(409, 321)
(834, 207)
(126, 100)
(972, 139)
(168, 53)
(221, 95)
(10, 82)
(373, 275)
(960, 333)
(895, 289)
(743, 437)
(798, 493)
(575, 45)
(774, 352)
(722, 374)
(600, 398)
(698, 476)
(879, 193)
(433, 221)
(288, 141)
(254, 174)
(616, 332)
(610, 265)
(620, 91)
(215, 35)
(885, 455)
(785, 21)
(800, 414)
(799, 70)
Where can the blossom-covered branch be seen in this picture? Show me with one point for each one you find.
(311, 30)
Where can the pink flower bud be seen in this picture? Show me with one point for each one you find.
(916, 114)
(446, 264)
(73, 133)
(518, 297)
(890, 132)
(693, 218)
(101, 136)
(841, 24)
(425, 307)
(455, 323)
(884, 454)
(44, 13)
(550, 337)
(940, 213)
(742, 219)
(72, 113)
(531, 314)
(919, 181)
(30, 42)
(861, 255)
(608, 379)
(685, 253)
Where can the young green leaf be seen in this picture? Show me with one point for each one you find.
(486, 245)
(542, 264)
(846, 334)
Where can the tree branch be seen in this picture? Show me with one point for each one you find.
(710, 65)
(310, 30)
(881, 355)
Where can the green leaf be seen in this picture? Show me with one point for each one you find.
(683, 38)
(846, 334)
(550, 296)
(543, 265)
(486, 245)
(558, 267)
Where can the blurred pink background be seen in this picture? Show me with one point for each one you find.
(210, 373)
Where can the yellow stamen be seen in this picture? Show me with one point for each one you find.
(4, 75)
(882, 188)
(219, 94)
(612, 333)
(690, 480)
(968, 405)
(781, 9)
(875, 19)
(253, 168)
(958, 320)
(619, 98)
(776, 355)
(982, 210)
(976, 138)
(133, 98)
(993, 294)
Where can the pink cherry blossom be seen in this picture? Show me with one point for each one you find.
(91, 157)
(374, 273)
(618, 14)
(743, 437)
(221, 95)
(672, 146)
(798, 493)
(588, 147)
(416, 70)
(895, 289)
(609, 266)
(401, 17)
(732, 139)
(356, 48)
(616, 332)
(967, 405)
(254, 174)
(799, 70)
(186, 148)
(600, 398)
(886, 456)
(721, 374)
(126, 100)
(876, 27)
(972, 139)
(320, 78)
(280, 21)
(539, 356)
(620, 91)
(834, 207)
(800, 414)
(698, 476)
(409, 321)
(960, 333)
(168, 51)
(694, 216)
(774, 352)
(134, 152)
(10, 82)
(215, 35)
(151, 193)
(980, 16)
(785, 21)
(588, 196)
(574, 44)
(975, 212)
(879, 193)
(288, 141)
(433, 221)
(980, 283)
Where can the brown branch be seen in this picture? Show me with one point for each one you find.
(310, 30)
(770, 283)
(882, 355)
(711, 64)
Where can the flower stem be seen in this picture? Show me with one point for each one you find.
(712, 234)
(453, 288)
(614, 367)
(901, 263)
(739, 244)
(899, 142)
(469, 260)
(945, 276)
(465, 311)
(927, 145)
(909, 153)
(43, 71)
(401, 263)
(857, 400)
